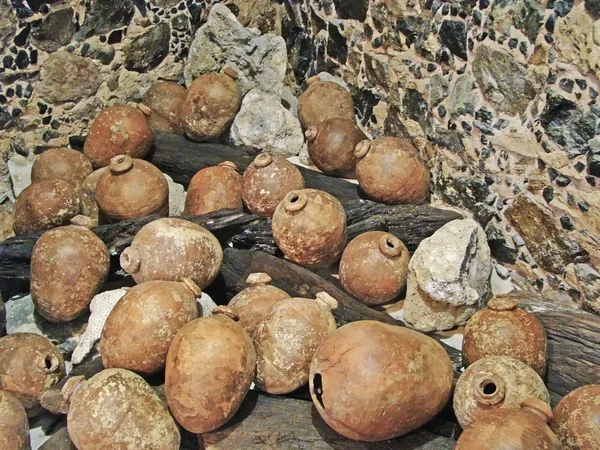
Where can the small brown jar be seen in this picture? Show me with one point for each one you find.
(266, 182)
(253, 303)
(390, 171)
(493, 383)
(324, 100)
(504, 329)
(309, 226)
(576, 419)
(87, 196)
(171, 250)
(212, 102)
(164, 102)
(132, 188)
(374, 267)
(331, 146)
(43, 206)
(62, 164)
(508, 429)
(14, 427)
(118, 130)
(214, 188)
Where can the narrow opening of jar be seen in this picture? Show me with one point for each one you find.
(390, 243)
(49, 361)
(294, 198)
(119, 159)
(489, 388)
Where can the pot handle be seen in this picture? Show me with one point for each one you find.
(121, 164)
(192, 287)
(84, 221)
(326, 301)
(263, 160)
(539, 408)
(257, 279)
(488, 390)
(295, 201)
(145, 109)
(390, 246)
(226, 311)
(311, 133)
(130, 260)
(362, 148)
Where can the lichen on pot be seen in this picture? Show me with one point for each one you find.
(214, 188)
(576, 419)
(164, 102)
(324, 100)
(14, 427)
(62, 164)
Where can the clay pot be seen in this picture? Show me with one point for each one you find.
(69, 265)
(286, 341)
(140, 328)
(117, 409)
(132, 188)
(61, 164)
(118, 130)
(14, 427)
(371, 381)
(87, 196)
(171, 250)
(266, 182)
(331, 146)
(390, 171)
(253, 303)
(507, 429)
(29, 364)
(374, 267)
(493, 383)
(164, 102)
(309, 226)
(210, 367)
(504, 329)
(212, 102)
(324, 100)
(576, 419)
(214, 188)
(44, 205)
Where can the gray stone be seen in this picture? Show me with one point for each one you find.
(453, 34)
(102, 52)
(289, 101)
(56, 30)
(593, 7)
(106, 15)
(439, 88)
(524, 15)
(261, 61)
(176, 197)
(589, 282)
(463, 99)
(166, 4)
(470, 192)
(20, 172)
(148, 50)
(8, 25)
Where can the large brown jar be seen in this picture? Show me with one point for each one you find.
(164, 102)
(577, 419)
(14, 427)
(214, 188)
(61, 164)
(324, 100)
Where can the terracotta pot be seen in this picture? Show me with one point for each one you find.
(210, 367)
(324, 100)
(371, 381)
(164, 102)
(69, 265)
(61, 164)
(214, 188)
(29, 364)
(171, 250)
(44, 205)
(309, 226)
(117, 409)
(118, 130)
(493, 383)
(253, 303)
(390, 171)
(331, 146)
(286, 341)
(87, 196)
(576, 419)
(140, 328)
(504, 329)
(374, 267)
(14, 427)
(266, 182)
(506, 429)
(132, 188)
(212, 102)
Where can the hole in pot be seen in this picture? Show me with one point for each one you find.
(294, 198)
(318, 389)
(48, 361)
(389, 243)
(120, 159)
(489, 388)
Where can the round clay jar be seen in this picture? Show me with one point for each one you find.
(88, 206)
(506, 429)
(374, 267)
(372, 381)
(212, 102)
(253, 303)
(117, 409)
(69, 265)
(266, 182)
(14, 427)
(493, 383)
(309, 226)
(390, 171)
(210, 367)
(164, 102)
(286, 341)
(43, 206)
(118, 130)
(331, 146)
(577, 418)
(324, 100)
(62, 164)
(171, 250)
(29, 364)
(504, 329)
(140, 328)
(214, 188)
(132, 188)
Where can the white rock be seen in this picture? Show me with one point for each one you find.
(207, 304)
(20, 172)
(448, 277)
(176, 197)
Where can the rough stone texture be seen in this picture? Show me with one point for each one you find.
(106, 15)
(463, 99)
(148, 50)
(525, 15)
(57, 29)
(589, 285)
(67, 78)
(7, 24)
(176, 197)
(448, 277)
(19, 168)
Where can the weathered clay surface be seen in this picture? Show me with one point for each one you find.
(14, 427)
(576, 419)
(165, 101)
(87, 196)
(324, 100)
(61, 164)
(214, 188)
